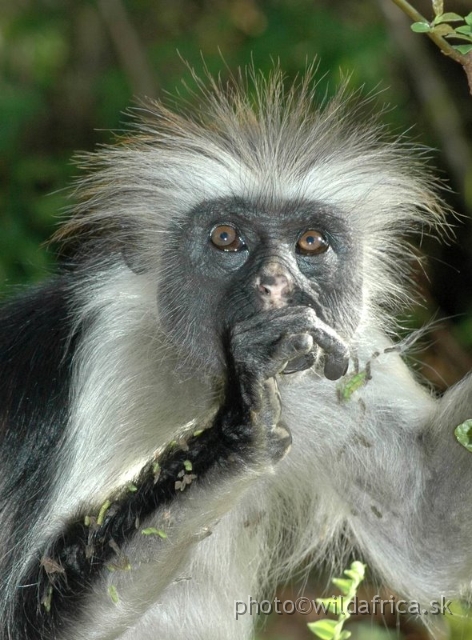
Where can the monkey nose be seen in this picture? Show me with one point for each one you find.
(273, 287)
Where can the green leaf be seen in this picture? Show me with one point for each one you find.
(344, 635)
(343, 585)
(438, 7)
(466, 29)
(356, 572)
(324, 629)
(457, 36)
(463, 48)
(420, 27)
(442, 29)
(353, 383)
(463, 432)
(47, 599)
(448, 17)
(468, 18)
(331, 605)
(152, 531)
(358, 568)
(113, 593)
(102, 513)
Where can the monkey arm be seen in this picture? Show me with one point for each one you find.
(177, 497)
(94, 544)
(407, 483)
(446, 509)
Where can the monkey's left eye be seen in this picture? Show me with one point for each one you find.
(226, 238)
(312, 243)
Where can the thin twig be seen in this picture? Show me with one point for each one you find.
(464, 59)
(433, 93)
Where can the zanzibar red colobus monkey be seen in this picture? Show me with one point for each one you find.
(178, 425)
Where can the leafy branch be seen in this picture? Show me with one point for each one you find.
(333, 629)
(441, 29)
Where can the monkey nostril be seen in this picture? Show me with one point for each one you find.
(274, 286)
(266, 291)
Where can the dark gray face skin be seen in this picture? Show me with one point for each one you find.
(208, 290)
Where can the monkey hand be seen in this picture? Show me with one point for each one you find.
(257, 350)
(271, 341)
(336, 358)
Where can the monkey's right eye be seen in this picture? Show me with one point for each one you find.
(226, 238)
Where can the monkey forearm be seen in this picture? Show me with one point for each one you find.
(88, 544)
(410, 506)
(243, 440)
(93, 543)
(447, 508)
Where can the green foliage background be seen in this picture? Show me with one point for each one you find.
(65, 82)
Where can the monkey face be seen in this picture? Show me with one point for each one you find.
(234, 258)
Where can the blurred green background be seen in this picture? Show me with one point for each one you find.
(69, 69)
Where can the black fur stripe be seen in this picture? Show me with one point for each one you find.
(55, 588)
(36, 350)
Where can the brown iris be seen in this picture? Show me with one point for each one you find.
(312, 243)
(226, 238)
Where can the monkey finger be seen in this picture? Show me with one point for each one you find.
(335, 366)
(300, 363)
(291, 348)
(336, 350)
